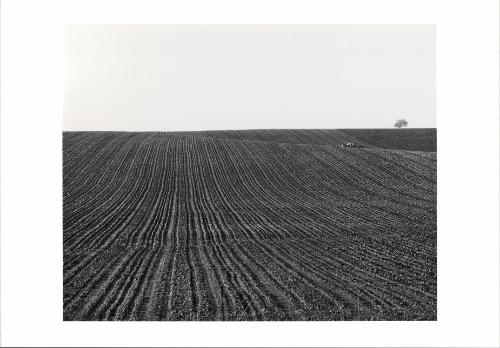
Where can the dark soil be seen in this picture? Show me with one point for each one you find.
(250, 225)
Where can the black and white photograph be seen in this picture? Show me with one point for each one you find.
(250, 173)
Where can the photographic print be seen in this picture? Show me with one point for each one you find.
(249, 173)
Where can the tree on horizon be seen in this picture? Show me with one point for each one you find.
(401, 123)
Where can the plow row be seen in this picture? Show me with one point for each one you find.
(246, 225)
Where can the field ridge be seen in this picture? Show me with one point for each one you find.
(250, 225)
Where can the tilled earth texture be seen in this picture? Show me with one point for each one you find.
(250, 225)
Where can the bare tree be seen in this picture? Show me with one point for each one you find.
(401, 123)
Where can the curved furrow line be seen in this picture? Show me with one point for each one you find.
(167, 209)
(134, 291)
(193, 284)
(273, 179)
(180, 304)
(271, 184)
(161, 224)
(351, 292)
(334, 152)
(355, 252)
(162, 306)
(90, 198)
(72, 149)
(110, 171)
(178, 235)
(121, 285)
(296, 193)
(108, 227)
(105, 232)
(153, 302)
(332, 176)
(232, 277)
(264, 249)
(93, 160)
(357, 269)
(157, 203)
(310, 283)
(357, 239)
(428, 156)
(248, 194)
(385, 163)
(123, 176)
(97, 287)
(247, 225)
(359, 285)
(221, 296)
(74, 152)
(370, 173)
(420, 162)
(215, 235)
(107, 212)
(382, 158)
(221, 222)
(250, 187)
(138, 308)
(99, 266)
(221, 269)
(312, 269)
(116, 285)
(378, 188)
(223, 196)
(374, 199)
(295, 256)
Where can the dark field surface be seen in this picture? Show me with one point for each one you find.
(250, 225)
(423, 139)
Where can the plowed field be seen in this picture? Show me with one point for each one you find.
(249, 225)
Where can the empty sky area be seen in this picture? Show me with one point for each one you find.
(203, 77)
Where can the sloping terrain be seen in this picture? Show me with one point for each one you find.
(247, 225)
(411, 139)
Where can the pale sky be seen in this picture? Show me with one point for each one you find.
(200, 77)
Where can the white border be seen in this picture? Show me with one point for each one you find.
(468, 205)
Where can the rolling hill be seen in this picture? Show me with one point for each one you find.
(250, 225)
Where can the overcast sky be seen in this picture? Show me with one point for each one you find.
(196, 77)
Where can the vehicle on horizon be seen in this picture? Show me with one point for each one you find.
(351, 145)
